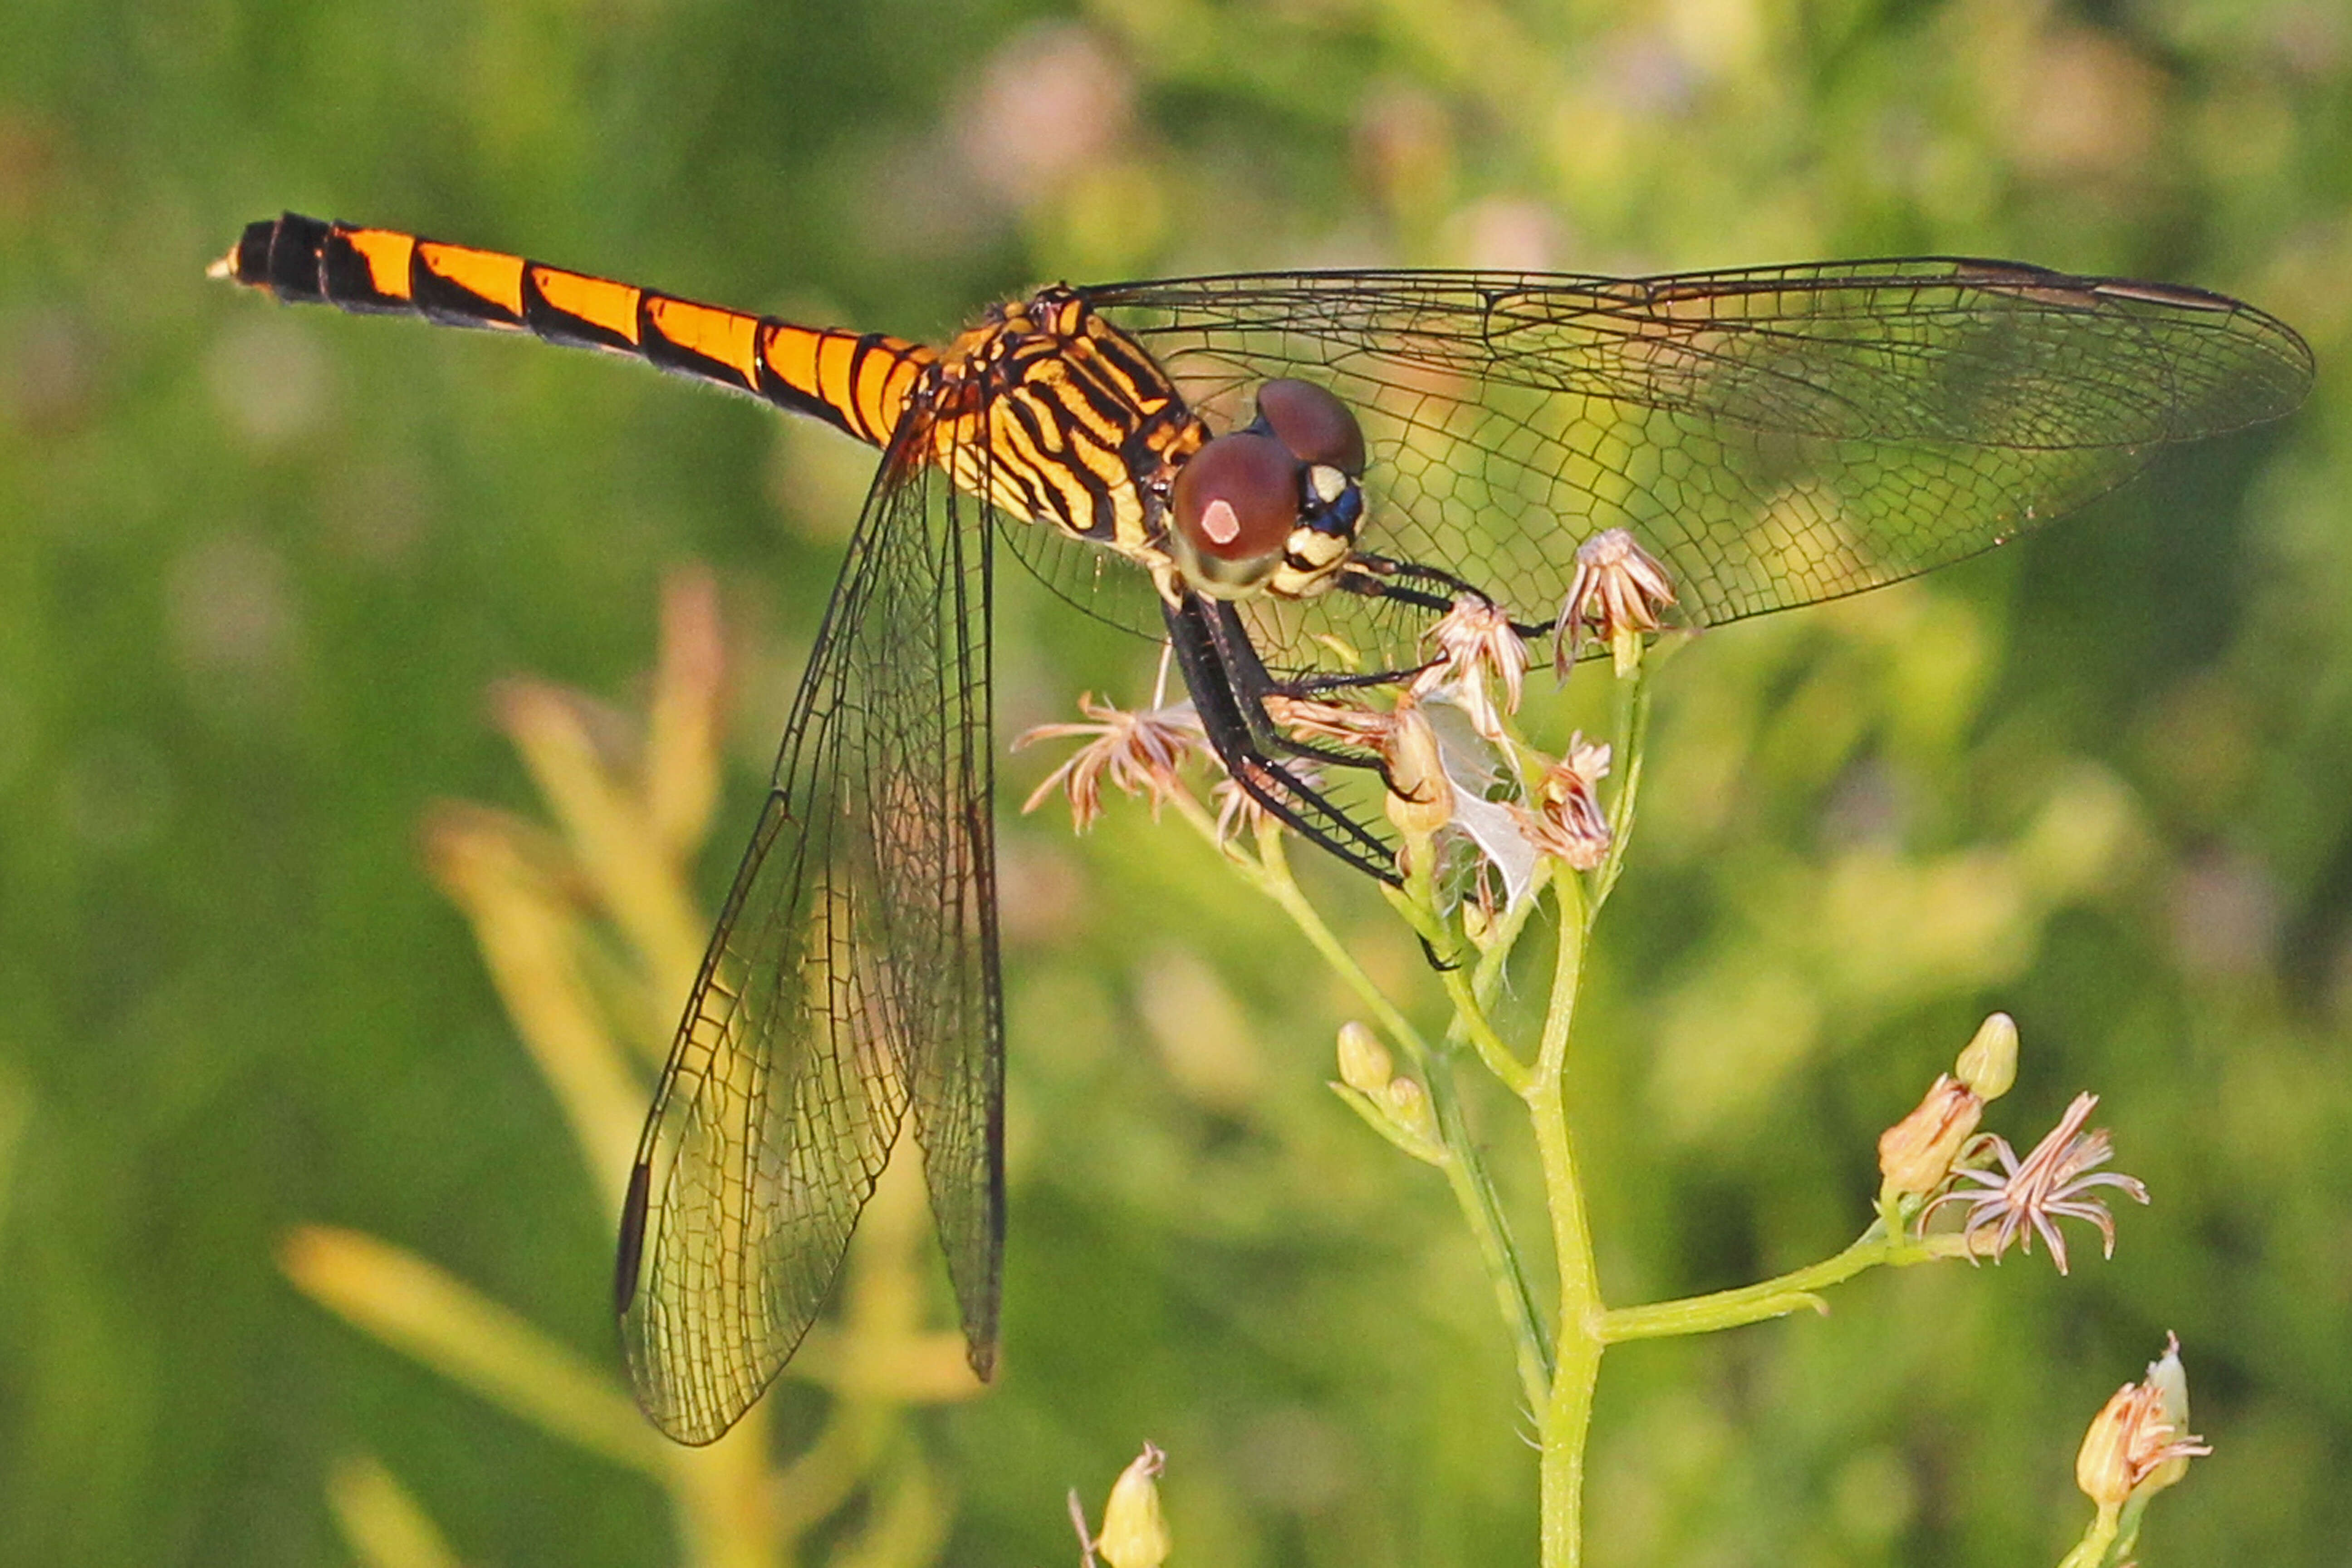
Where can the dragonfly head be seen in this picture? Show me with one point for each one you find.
(1276, 504)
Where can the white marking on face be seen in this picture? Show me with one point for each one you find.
(1220, 524)
(1329, 483)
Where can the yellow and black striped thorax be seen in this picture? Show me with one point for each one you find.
(1059, 418)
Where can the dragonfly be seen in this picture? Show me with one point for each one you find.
(1260, 468)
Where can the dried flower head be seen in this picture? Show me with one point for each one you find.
(1569, 824)
(1915, 1154)
(2026, 1197)
(2140, 1441)
(1136, 752)
(1238, 810)
(1619, 587)
(1476, 645)
(1316, 718)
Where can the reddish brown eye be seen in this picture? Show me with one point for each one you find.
(1235, 504)
(1315, 425)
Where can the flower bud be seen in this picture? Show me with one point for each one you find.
(2139, 1442)
(1477, 921)
(1988, 1063)
(2170, 1379)
(2103, 1465)
(1135, 1532)
(1917, 1152)
(1410, 1109)
(1364, 1063)
(1421, 798)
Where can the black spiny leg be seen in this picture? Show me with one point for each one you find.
(1225, 718)
(1252, 683)
(1377, 577)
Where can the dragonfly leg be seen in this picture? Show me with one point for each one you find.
(1308, 685)
(1252, 683)
(1377, 577)
(1226, 710)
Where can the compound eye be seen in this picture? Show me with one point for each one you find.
(1234, 505)
(1313, 424)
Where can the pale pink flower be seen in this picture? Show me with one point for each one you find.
(1619, 586)
(1136, 752)
(1569, 824)
(2026, 1197)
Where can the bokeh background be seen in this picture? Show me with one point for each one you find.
(258, 568)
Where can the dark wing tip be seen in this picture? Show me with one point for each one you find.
(626, 1263)
(2254, 368)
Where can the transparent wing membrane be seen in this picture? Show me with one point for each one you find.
(852, 982)
(1777, 437)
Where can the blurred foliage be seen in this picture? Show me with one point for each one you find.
(587, 931)
(258, 566)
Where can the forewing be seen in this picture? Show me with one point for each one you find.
(853, 978)
(1777, 436)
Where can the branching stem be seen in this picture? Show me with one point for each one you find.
(1464, 1166)
(1559, 1366)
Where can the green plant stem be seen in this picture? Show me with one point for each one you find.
(1796, 1291)
(1566, 1418)
(1494, 960)
(1473, 1192)
(1463, 1168)
(1419, 901)
(1581, 1335)
(1480, 1031)
(1270, 874)
(1628, 742)
(2127, 1525)
(2096, 1549)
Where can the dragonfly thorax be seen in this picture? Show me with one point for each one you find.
(1059, 418)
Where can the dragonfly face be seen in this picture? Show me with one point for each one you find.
(1274, 507)
(1771, 436)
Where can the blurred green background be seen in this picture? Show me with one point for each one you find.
(259, 567)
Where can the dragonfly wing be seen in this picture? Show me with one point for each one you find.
(1776, 435)
(852, 980)
(1088, 577)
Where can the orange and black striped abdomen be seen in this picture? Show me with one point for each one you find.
(857, 380)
